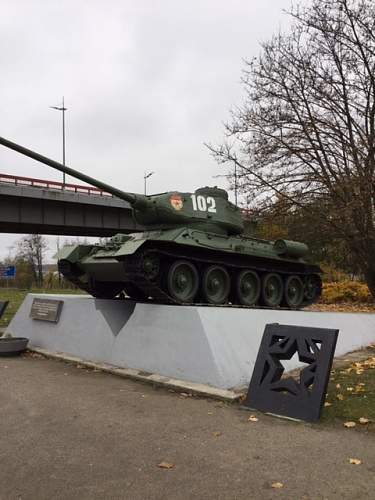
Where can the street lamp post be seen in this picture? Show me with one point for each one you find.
(62, 109)
(235, 184)
(145, 177)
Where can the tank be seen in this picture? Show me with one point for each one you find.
(193, 250)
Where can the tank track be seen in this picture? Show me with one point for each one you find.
(152, 288)
(73, 275)
(136, 275)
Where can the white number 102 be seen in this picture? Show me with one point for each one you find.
(203, 204)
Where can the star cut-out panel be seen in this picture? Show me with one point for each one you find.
(302, 397)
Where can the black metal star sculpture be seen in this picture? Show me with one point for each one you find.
(303, 398)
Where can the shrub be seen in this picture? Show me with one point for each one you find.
(345, 291)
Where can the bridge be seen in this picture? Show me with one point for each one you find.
(39, 206)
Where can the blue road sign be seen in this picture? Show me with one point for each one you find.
(7, 272)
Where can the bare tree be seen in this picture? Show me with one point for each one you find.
(32, 249)
(306, 128)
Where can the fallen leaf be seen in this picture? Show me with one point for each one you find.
(340, 397)
(327, 404)
(364, 421)
(166, 465)
(355, 461)
(349, 425)
(253, 418)
(216, 434)
(277, 485)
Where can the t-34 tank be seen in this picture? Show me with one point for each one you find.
(193, 251)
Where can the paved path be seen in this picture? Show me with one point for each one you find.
(70, 433)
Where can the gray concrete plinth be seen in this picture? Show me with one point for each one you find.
(207, 345)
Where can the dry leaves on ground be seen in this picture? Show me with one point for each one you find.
(186, 394)
(166, 465)
(355, 461)
(31, 354)
(216, 434)
(343, 307)
(364, 421)
(277, 485)
(253, 418)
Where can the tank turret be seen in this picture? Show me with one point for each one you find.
(207, 208)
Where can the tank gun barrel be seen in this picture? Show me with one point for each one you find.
(133, 199)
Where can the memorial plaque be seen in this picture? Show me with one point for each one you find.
(46, 309)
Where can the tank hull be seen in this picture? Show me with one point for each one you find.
(156, 264)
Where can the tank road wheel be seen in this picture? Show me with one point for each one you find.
(248, 287)
(313, 288)
(151, 265)
(134, 292)
(216, 285)
(294, 292)
(183, 281)
(272, 290)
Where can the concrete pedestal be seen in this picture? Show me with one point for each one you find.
(207, 345)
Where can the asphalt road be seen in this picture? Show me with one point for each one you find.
(70, 433)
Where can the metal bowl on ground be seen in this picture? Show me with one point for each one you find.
(12, 346)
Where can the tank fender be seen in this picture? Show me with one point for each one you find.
(73, 253)
(138, 239)
(129, 247)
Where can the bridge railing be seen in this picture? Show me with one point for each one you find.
(44, 184)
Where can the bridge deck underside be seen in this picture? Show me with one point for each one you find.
(39, 211)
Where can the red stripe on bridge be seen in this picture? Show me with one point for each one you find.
(54, 185)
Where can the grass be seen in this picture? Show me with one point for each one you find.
(351, 393)
(16, 298)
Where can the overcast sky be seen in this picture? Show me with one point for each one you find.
(146, 83)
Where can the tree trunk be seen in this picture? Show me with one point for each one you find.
(369, 273)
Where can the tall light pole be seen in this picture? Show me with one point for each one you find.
(63, 109)
(145, 177)
(235, 184)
